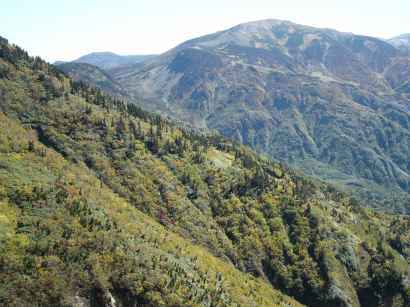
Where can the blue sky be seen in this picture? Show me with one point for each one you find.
(65, 30)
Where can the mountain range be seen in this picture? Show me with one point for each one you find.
(105, 204)
(335, 105)
(109, 60)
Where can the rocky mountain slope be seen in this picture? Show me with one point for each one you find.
(335, 105)
(103, 204)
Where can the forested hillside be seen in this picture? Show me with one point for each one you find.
(103, 204)
(68, 236)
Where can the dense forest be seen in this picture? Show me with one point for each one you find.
(104, 204)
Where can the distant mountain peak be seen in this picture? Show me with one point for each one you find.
(268, 33)
(269, 25)
(401, 41)
(109, 60)
(103, 53)
(403, 36)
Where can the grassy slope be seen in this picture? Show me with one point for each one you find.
(58, 219)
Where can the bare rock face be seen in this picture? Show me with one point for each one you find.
(111, 302)
(79, 301)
